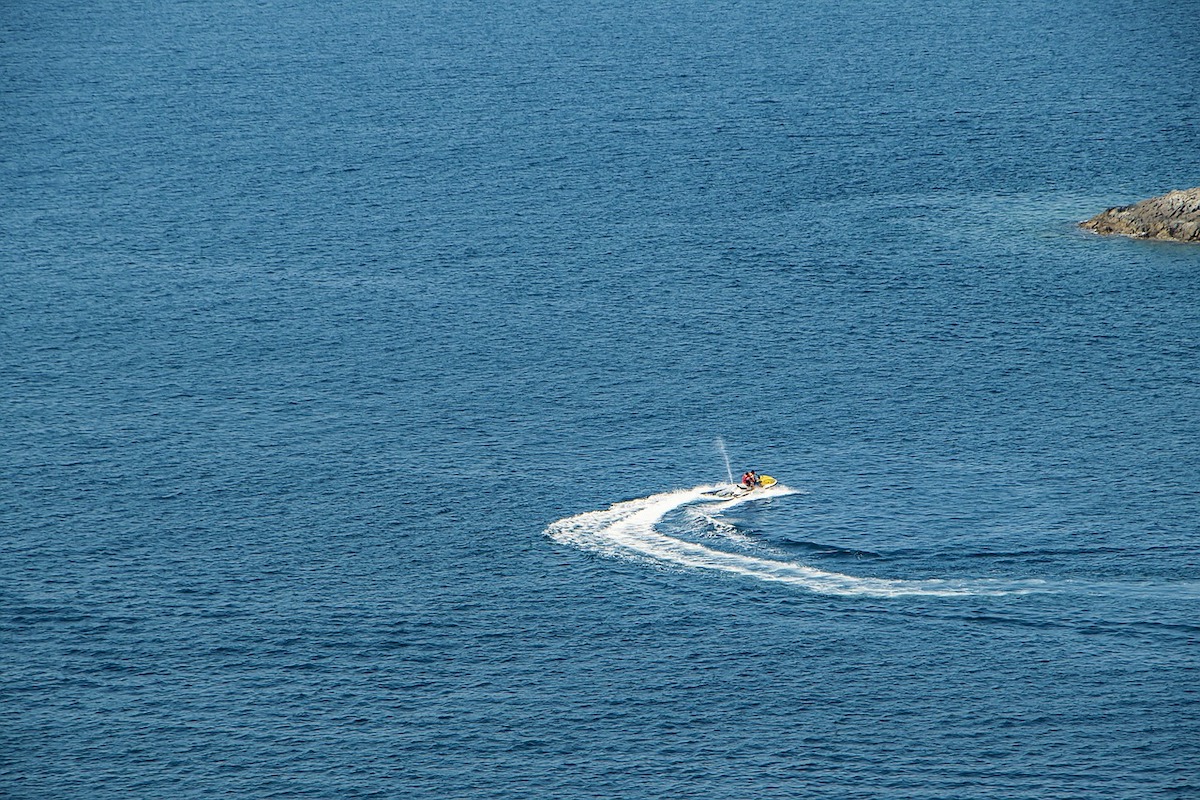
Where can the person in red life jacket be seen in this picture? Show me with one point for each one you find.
(750, 479)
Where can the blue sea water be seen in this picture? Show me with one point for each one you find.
(365, 371)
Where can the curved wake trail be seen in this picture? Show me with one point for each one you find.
(628, 529)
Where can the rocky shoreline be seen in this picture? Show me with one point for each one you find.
(1174, 216)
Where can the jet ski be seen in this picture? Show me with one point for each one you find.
(736, 490)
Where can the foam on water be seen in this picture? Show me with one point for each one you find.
(629, 529)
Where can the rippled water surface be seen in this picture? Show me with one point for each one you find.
(365, 372)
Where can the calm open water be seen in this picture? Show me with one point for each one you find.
(363, 366)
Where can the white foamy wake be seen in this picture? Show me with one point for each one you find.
(628, 530)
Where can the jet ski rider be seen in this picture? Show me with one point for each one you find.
(750, 479)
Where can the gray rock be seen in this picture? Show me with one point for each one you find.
(1174, 216)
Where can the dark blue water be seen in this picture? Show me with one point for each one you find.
(360, 367)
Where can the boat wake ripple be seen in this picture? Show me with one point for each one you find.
(630, 529)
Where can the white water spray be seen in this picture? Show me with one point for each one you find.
(725, 454)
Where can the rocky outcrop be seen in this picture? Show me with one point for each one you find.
(1174, 216)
